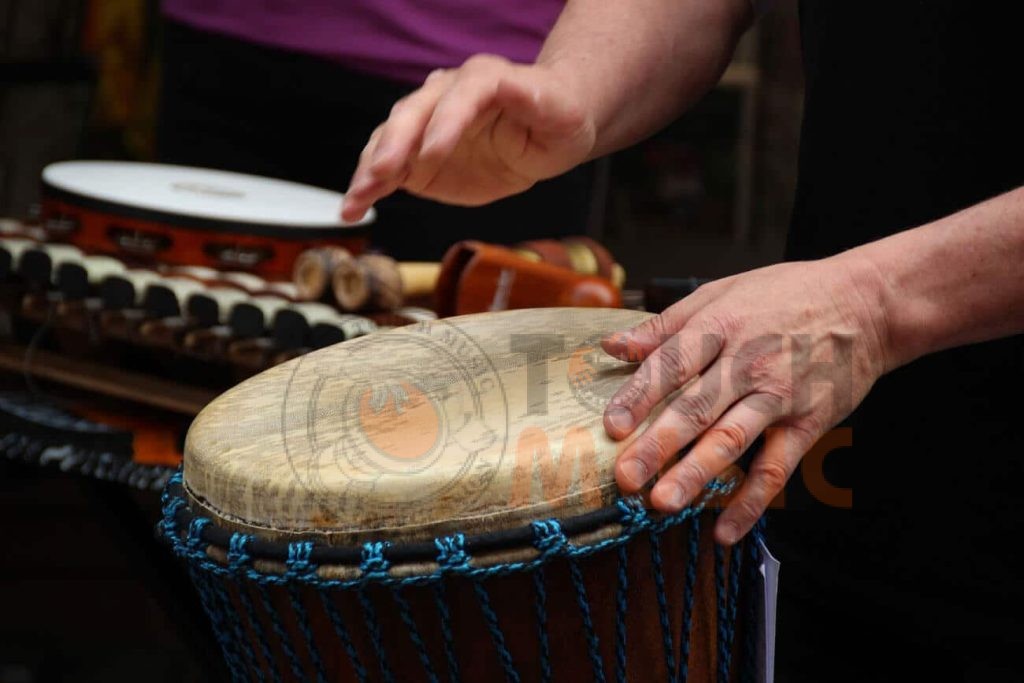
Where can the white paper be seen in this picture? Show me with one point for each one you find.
(769, 571)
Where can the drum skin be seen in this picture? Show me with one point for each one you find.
(479, 424)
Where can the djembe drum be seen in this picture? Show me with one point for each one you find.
(436, 502)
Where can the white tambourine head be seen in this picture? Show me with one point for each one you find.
(202, 193)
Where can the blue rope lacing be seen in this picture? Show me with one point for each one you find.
(725, 653)
(541, 608)
(497, 636)
(374, 565)
(210, 601)
(277, 626)
(689, 589)
(239, 559)
(659, 591)
(551, 541)
(405, 614)
(338, 624)
(620, 615)
(452, 560)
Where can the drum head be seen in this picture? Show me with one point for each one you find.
(477, 423)
(202, 195)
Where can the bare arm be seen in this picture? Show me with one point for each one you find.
(638, 65)
(610, 73)
(956, 281)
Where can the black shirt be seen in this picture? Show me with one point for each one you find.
(913, 111)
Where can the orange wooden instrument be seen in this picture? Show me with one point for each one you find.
(477, 277)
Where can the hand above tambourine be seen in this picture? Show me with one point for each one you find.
(471, 135)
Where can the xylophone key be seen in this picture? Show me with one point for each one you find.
(76, 280)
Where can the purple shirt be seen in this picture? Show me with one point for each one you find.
(400, 39)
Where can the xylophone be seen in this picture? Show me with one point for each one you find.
(237, 318)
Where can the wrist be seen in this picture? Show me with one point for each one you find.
(569, 77)
(901, 321)
(865, 292)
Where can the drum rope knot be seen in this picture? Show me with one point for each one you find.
(169, 523)
(451, 552)
(194, 541)
(634, 514)
(374, 564)
(549, 538)
(238, 555)
(298, 563)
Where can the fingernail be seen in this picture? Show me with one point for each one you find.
(674, 497)
(729, 533)
(620, 419)
(635, 472)
(347, 215)
(617, 341)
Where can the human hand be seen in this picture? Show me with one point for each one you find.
(471, 135)
(745, 352)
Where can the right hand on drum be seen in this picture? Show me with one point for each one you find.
(471, 135)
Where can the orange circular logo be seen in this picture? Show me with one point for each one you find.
(399, 420)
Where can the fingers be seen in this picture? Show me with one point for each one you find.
(401, 135)
(674, 363)
(538, 104)
(637, 343)
(363, 189)
(385, 160)
(486, 82)
(682, 420)
(769, 472)
(425, 128)
(720, 446)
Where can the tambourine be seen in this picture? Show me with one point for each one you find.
(154, 213)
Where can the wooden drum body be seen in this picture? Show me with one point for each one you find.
(195, 217)
(436, 502)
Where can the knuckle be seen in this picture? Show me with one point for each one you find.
(696, 410)
(484, 62)
(773, 476)
(652, 328)
(748, 509)
(436, 75)
(722, 323)
(729, 440)
(781, 391)
(808, 428)
(400, 107)
(672, 361)
(693, 475)
(703, 288)
(765, 403)
(655, 451)
(756, 368)
(634, 394)
(365, 154)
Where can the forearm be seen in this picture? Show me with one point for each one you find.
(638, 64)
(956, 281)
